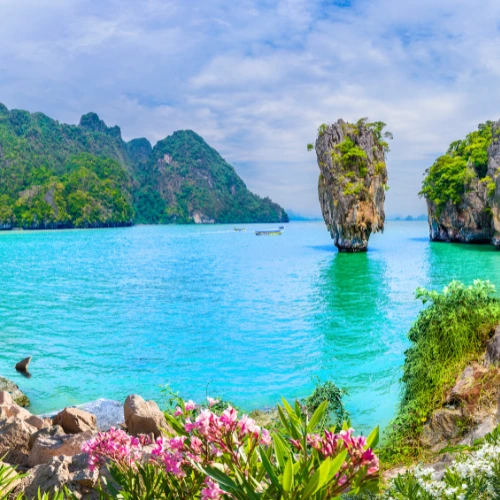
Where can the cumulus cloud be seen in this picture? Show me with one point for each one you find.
(256, 78)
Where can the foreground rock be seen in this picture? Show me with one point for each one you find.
(14, 440)
(109, 413)
(74, 420)
(45, 446)
(69, 471)
(352, 182)
(19, 397)
(143, 417)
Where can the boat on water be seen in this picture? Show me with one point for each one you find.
(240, 229)
(271, 232)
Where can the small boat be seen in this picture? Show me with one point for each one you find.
(272, 232)
(240, 229)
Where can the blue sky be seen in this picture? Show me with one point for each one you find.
(256, 78)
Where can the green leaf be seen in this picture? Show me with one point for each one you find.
(290, 411)
(175, 425)
(317, 416)
(281, 449)
(336, 464)
(287, 477)
(269, 468)
(284, 420)
(318, 480)
(224, 480)
(373, 438)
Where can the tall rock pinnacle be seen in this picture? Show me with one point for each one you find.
(353, 181)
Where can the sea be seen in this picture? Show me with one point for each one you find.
(209, 311)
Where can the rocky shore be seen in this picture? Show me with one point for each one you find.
(48, 449)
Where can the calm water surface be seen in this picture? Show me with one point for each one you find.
(110, 312)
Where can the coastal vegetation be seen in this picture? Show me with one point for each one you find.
(54, 175)
(449, 177)
(450, 332)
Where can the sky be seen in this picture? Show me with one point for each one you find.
(255, 78)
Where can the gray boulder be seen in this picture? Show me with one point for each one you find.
(22, 366)
(442, 427)
(492, 356)
(61, 471)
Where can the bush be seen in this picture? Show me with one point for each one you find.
(336, 413)
(210, 456)
(448, 334)
(448, 179)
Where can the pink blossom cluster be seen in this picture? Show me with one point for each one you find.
(226, 432)
(211, 491)
(115, 445)
(209, 437)
(331, 444)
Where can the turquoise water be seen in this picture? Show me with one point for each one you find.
(109, 312)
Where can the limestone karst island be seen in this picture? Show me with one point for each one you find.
(249, 250)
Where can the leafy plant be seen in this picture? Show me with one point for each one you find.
(335, 414)
(223, 456)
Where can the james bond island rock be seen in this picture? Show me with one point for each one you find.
(462, 189)
(353, 181)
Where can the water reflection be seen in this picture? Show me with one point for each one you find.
(354, 297)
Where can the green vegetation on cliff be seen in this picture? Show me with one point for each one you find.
(54, 175)
(450, 175)
(449, 333)
(199, 183)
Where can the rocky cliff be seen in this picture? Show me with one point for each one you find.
(55, 175)
(462, 189)
(352, 182)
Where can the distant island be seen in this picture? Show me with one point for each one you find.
(297, 217)
(409, 217)
(54, 176)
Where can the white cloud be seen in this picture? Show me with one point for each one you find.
(257, 78)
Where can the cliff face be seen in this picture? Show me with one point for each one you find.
(352, 182)
(462, 190)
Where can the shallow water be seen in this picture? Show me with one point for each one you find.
(109, 312)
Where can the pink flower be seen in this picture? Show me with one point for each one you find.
(178, 412)
(212, 490)
(115, 445)
(229, 417)
(212, 401)
(177, 443)
(190, 405)
(247, 425)
(265, 437)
